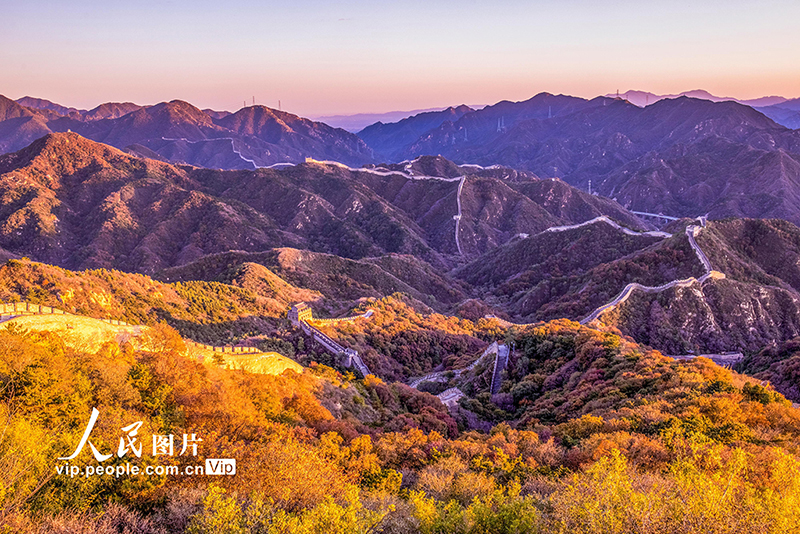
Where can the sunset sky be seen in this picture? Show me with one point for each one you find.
(321, 57)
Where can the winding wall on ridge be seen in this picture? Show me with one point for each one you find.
(351, 357)
(691, 232)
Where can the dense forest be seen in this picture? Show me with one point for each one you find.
(590, 433)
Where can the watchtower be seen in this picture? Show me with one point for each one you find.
(300, 312)
(348, 355)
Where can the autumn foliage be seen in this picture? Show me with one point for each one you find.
(590, 433)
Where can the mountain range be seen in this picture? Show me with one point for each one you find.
(73, 202)
(679, 157)
(528, 249)
(786, 113)
(178, 132)
(386, 139)
(469, 232)
(645, 98)
(782, 110)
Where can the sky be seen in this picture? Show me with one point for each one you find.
(327, 57)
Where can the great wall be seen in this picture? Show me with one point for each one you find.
(302, 316)
(10, 310)
(441, 376)
(601, 219)
(606, 220)
(725, 359)
(691, 233)
(408, 174)
(500, 363)
(450, 396)
(457, 217)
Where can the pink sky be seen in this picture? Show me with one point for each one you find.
(322, 58)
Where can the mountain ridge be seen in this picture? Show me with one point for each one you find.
(674, 157)
(181, 133)
(643, 98)
(530, 250)
(74, 202)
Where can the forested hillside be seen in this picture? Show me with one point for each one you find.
(606, 436)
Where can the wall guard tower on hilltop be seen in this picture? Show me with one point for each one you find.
(299, 313)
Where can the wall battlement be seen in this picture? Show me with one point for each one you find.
(16, 309)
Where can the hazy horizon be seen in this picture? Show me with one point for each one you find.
(378, 112)
(322, 59)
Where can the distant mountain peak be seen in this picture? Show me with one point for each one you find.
(41, 103)
(700, 93)
(10, 109)
(180, 108)
(644, 98)
(252, 120)
(111, 110)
